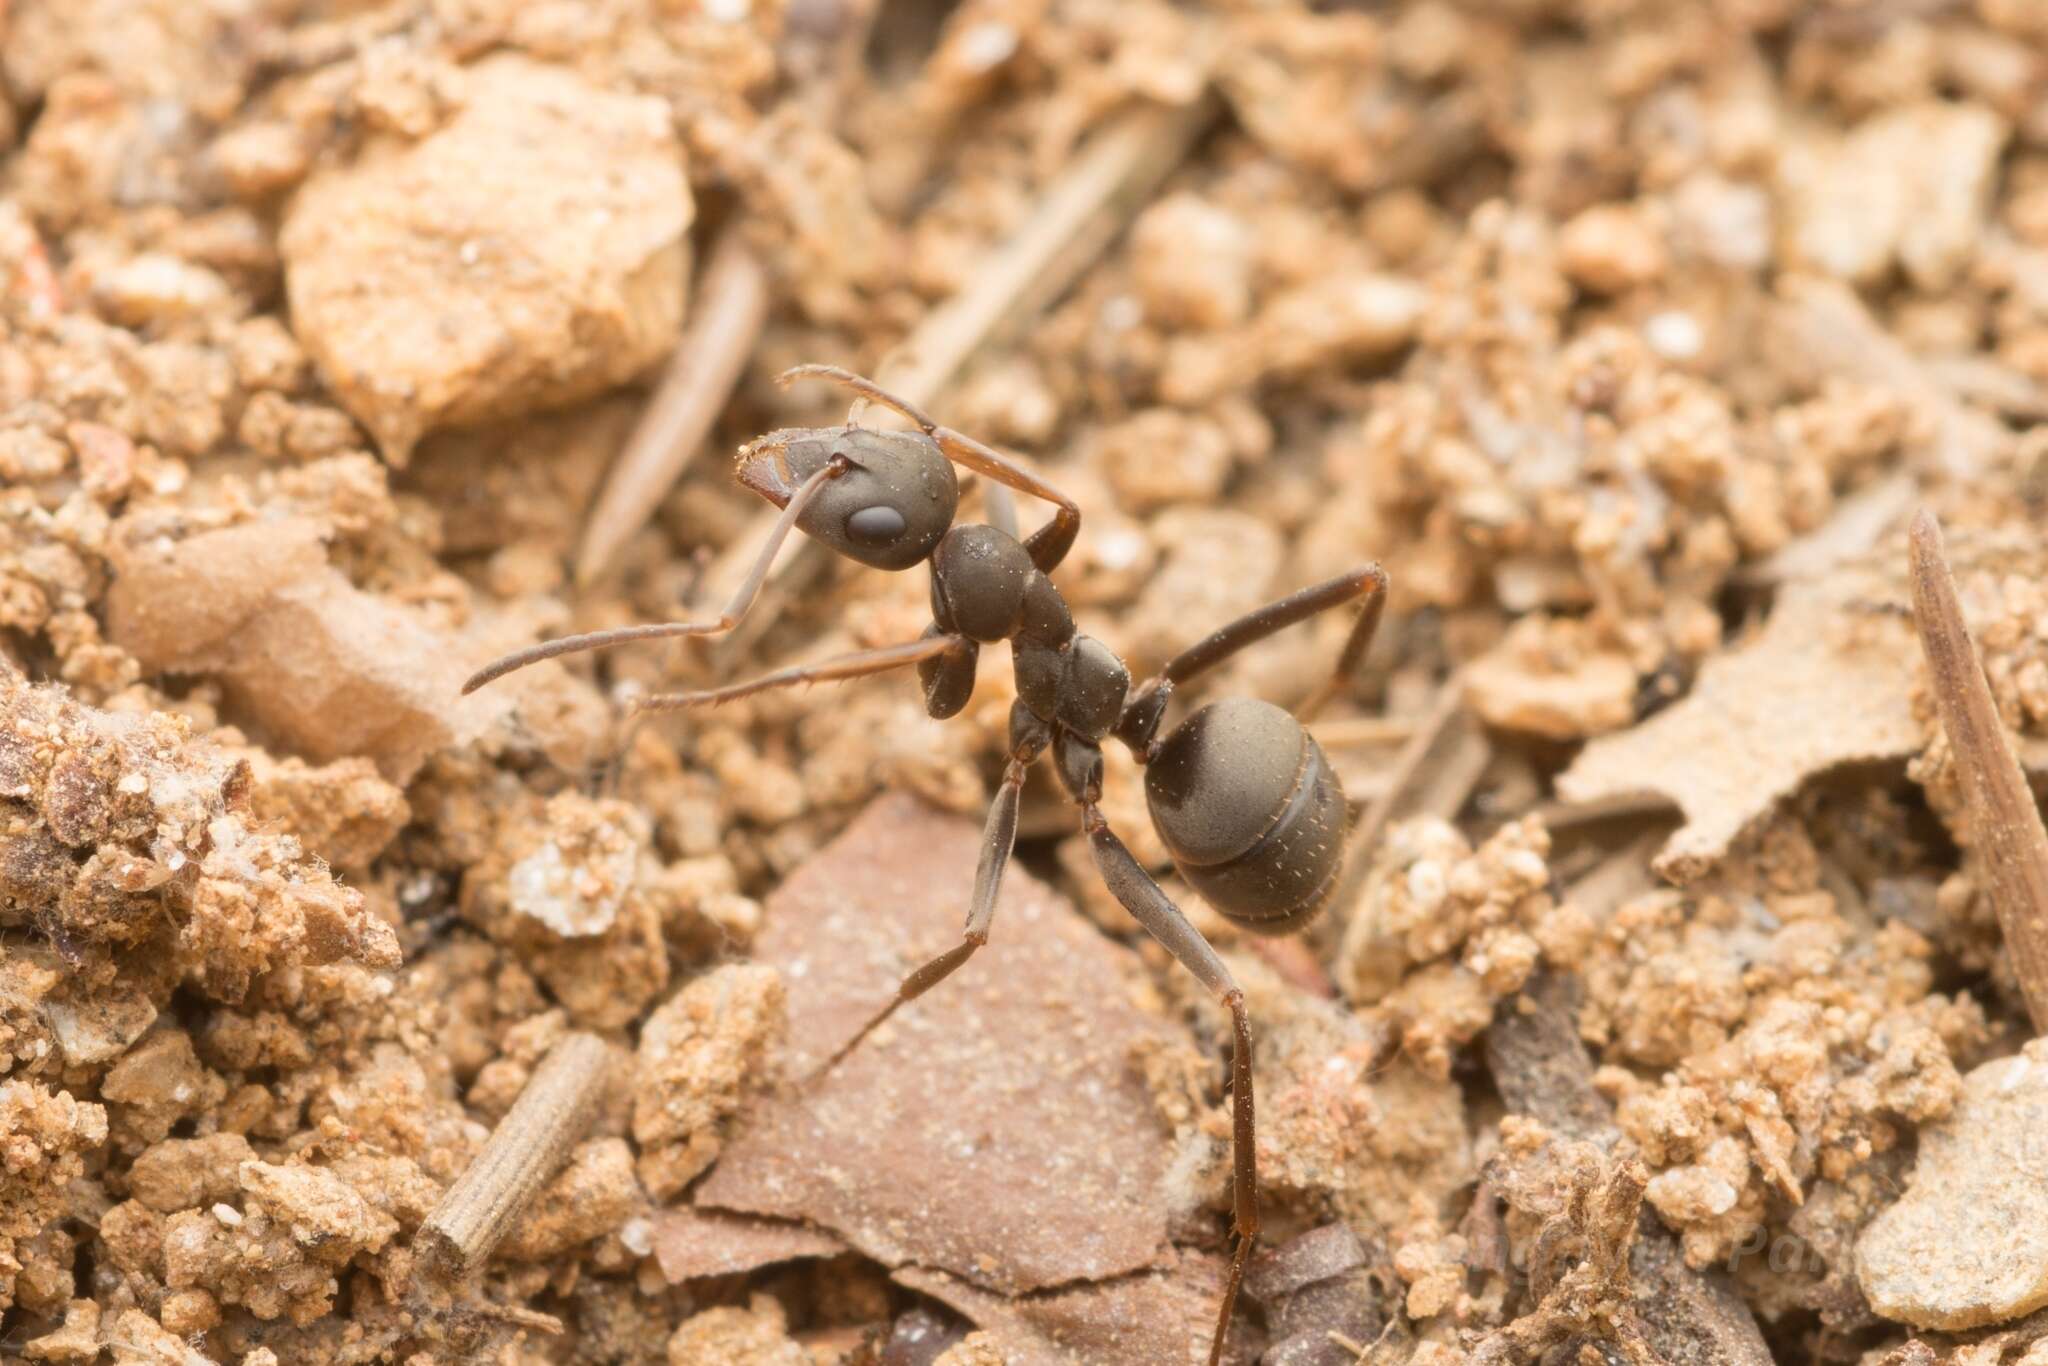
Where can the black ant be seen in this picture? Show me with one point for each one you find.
(1239, 792)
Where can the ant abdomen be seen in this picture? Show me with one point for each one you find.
(1252, 813)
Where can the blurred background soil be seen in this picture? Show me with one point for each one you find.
(1668, 1018)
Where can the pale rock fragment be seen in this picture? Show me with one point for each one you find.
(77, 1340)
(260, 157)
(1611, 247)
(697, 1053)
(1360, 317)
(98, 1028)
(588, 921)
(1192, 260)
(181, 1173)
(757, 1335)
(139, 1340)
(322, 1211)
(1694, 1194)
(159, 1083)
(1725, 221)
(1549, 678)
(155, 288)
(1967, 1244)
(328, 668)
(527, 253)
(1958, 162)
(575, 882)
(1911, 186)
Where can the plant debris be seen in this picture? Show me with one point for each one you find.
(1819, 687)
(2005, 821)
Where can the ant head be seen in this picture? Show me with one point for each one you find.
(889, 508)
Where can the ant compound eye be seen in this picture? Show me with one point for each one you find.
(876, 526)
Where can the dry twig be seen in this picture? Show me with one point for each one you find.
(1437, 769)
(726, 317)
(2003, 817)
(1079, 214)
(526, 1149)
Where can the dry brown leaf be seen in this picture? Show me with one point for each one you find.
(995, 1128)
(1826, 682)
(691, 1242)
(1163, 1315)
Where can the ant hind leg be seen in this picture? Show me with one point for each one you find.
(1152, 908)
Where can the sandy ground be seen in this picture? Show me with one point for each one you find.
(1678, 1008)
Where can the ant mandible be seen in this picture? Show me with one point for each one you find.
(1240, 793)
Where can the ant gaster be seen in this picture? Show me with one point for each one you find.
(1240, 793)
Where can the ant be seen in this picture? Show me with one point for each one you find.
(1241, 794)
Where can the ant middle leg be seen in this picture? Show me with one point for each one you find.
(742, 598)
(1150, 906)
(1028, 739)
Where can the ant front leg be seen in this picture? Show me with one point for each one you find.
(1152, 908)
(1028, 739)
(742, 598)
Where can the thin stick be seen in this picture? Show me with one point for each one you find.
(1424, 790)
(1363, 730)
(529, 1144)
(1080, 213)
(731, 305)
(2003, 817)
(1448, 734)
(726, 317)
